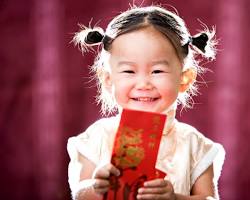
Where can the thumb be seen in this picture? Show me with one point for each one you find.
(104, 171)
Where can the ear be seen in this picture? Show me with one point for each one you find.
(187, 78)
(107, 81)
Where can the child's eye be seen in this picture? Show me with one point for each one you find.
(128, 71)
(157, 71)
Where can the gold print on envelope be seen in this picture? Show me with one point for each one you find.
(129, 151)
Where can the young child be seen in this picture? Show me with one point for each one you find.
(147, 62)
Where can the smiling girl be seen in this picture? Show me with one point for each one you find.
(147, 62)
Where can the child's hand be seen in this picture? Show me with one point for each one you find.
(101, 176)
(157, 189)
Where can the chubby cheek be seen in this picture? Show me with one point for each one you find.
(121, 93)
(169, 91)
(170, 96)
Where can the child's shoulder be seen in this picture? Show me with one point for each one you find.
(187, 131)
(103, 121)
(89, 142)
(102, 125)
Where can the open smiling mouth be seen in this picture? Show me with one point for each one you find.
(145, 99)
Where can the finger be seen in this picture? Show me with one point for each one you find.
(113, 170)
(101, 186)
(148, 197)
(101, 173)
(169, 185)
(156, 183)
(101, 190)
(101, 183)
(156, 190)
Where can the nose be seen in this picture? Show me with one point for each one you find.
(143, 83)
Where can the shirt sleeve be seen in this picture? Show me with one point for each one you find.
(88, 144)
(205, 153)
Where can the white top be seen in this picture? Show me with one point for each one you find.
(184, 152)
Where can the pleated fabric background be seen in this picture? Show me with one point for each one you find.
(46, 93)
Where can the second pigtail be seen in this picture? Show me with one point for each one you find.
(204, 43)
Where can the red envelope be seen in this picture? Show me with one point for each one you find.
(135, 152)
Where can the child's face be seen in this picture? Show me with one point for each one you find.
(145, 71)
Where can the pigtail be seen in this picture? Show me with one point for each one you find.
(93, 37)
(88, 37)
(200, 41)
(205, 43)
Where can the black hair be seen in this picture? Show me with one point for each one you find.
(163, 20)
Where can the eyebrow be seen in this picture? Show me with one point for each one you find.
(164, 62)
(126, 63)
(158, 62)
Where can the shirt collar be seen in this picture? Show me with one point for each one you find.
(169, 124)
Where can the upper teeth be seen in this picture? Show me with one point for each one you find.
(144, 99)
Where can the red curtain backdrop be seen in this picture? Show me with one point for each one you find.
(47, 94)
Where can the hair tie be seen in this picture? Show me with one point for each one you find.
(93, 37)
(200, 41)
